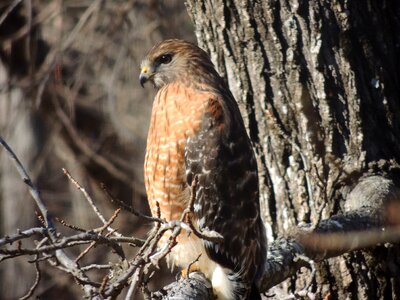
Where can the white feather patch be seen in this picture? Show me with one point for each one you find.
(223, 287)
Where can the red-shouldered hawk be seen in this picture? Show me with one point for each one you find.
(196, 130)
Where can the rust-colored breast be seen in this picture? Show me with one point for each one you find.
(176, 116)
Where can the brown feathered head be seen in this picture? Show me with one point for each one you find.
(173, 60)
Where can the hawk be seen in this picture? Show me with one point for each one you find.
(196, 130)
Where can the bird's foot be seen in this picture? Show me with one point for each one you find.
(190, 269)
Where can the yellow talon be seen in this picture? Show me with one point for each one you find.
(192, 268)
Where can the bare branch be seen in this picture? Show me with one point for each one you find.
(83, 253)
(35, 284)
(195, 287)
(62, 258)
(129, 208)
(66, 242)
(86, 195)
(8, 10)
(74, 227)
(26, 179)
(135, 281)
(96, 267)
(23, 235)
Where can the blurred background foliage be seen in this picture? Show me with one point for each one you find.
(70, 98)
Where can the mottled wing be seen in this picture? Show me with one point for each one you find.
(221, 155)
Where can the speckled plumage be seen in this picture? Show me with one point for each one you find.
(196, 130)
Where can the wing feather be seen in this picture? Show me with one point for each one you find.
(227, 199)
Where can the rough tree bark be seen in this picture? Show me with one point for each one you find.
(318, 85)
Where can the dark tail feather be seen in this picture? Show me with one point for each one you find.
(254, 293)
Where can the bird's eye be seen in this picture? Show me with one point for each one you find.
(165, 59)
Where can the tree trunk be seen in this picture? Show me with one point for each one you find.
(318, 85)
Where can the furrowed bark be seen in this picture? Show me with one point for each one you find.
(317, 83)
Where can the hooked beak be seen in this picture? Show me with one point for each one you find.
(145, 75)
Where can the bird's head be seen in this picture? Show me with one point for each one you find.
(173, 60)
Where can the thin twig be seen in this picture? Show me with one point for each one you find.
(8, 10)
(128, 207)
(66, 242)
(27, 180)
(43, 258)
(90, 200)
(35, 284)
(63, 261)
(103, 284)
(122, 280)
(22, 235)
(48, 221)
(84, 252)
(74, 227)
(86, 195)
(96, 267)
(135, 279)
